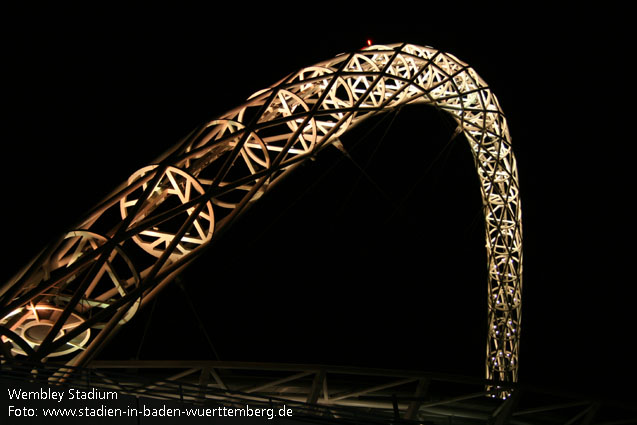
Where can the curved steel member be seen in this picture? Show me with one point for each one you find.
(167, 212)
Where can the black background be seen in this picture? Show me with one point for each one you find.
(333, 272)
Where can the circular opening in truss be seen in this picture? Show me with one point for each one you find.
(35, 332)
(116, 278)
(33, 324)
(174, 188)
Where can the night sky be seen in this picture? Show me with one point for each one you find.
(330, 267)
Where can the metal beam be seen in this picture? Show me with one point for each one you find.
(204, 377)
(372, 389)
(277, 382)
(317, 386)
(218, 379)
(171, 378)
(551, 407)
(502, 415)
(326, 394)
(592, 412)
(588, 415)
(421, 390)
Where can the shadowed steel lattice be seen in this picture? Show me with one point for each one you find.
(90, 281)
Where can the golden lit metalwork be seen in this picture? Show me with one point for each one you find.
(167, 212)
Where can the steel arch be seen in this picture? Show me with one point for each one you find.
(168, 212)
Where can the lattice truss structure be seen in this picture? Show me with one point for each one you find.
(73, 297)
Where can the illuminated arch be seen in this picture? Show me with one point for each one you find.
(167, 212)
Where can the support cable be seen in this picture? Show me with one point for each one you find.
(422, 177)
(197, 317)
(363, 170)
(146, 327)
(316, 182)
